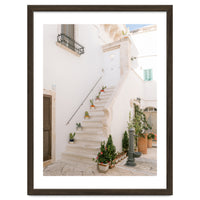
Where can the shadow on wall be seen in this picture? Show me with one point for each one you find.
(134, 54)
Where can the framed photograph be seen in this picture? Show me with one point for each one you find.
(100, 100)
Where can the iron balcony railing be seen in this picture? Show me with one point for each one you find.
(70, 43)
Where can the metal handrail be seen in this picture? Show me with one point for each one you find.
(70, 43)
(84, 100)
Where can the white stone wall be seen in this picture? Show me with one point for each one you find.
(144, 51)
(130, 87)
(72, 77)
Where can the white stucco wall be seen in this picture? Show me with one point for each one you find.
(130, 87)
(71, 76)
(145, 51)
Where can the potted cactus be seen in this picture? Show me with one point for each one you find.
(102, 89)
(92, 106)
(87, 116)
(71, 138)
(78, 126)
(98, 97)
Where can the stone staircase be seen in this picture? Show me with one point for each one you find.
(88, 140)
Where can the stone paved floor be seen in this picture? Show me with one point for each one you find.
(146, 165)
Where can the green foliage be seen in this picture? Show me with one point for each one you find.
(78, 125)
(107, 152)
(91, 102)
(71, 136)
(103, 87)
(130, 122)
(151, 136)
(125, 142)
(98, 96)
(111, 149)
(139, 121)
(102, 156)
(86, 113)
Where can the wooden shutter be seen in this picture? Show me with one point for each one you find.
(46, 128)
(68, 29)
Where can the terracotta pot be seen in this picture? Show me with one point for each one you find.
(149, 143)
(142, 144)
(103, 168)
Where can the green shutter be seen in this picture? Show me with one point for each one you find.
(148, 75)
(145, 75)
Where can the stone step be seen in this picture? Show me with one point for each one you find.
(90, 131)
(77, 157)
(77, 148)
(94, 119)
(92, 124)
(96, 115)
(100, 103)
(89, 140)
(98, 107)
(90, 137)
(96, 110)
(105, 97)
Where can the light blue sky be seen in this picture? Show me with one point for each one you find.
(136, 26)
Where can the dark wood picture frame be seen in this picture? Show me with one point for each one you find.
(169, 73)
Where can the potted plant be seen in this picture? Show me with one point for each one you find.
(149, 141)
(117, 158)
(71, 138)
(87, 116)
(125, 142)
(111, 151)
(102, 89)
(141, 126)
(92, 106)
(98, 97)
(102, 159)
(78, 126)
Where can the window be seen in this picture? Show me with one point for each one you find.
(148, 76)
(67, 39)
(150, 109)
(68, 30)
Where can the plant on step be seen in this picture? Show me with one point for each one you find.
(125, 142)
(111, 149)
(92, 103)
(78, 126)
(71, 137)
(102, 155)
(98, 96)
(103, 88)
(86, 115)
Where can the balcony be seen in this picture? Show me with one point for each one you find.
(70, 43)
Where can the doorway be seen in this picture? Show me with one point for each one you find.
(111, 67)
(47, 127)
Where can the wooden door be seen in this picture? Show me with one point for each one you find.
(47, 143)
